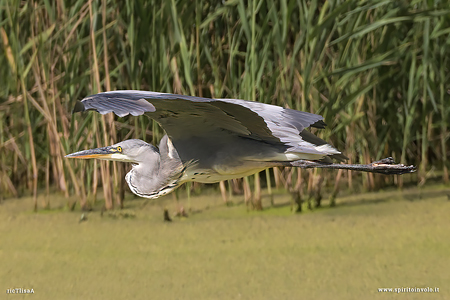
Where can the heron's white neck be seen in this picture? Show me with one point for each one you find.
(158, 173)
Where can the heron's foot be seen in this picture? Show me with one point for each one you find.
(388, 166)
(387, 161)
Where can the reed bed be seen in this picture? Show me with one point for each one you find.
(378, 71)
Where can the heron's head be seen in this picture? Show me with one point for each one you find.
(134, 151)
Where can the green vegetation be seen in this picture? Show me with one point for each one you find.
(378, 71)
(384, 239)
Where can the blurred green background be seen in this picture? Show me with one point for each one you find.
(378, 71)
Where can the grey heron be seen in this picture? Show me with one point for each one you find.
(210, 140)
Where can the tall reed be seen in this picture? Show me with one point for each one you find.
(376, 70)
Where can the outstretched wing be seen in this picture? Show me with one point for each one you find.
(208, 122)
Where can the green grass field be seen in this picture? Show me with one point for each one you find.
(386, 239)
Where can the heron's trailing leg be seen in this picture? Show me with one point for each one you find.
(384, 166)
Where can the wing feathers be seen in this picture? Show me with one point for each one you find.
(120, 103)
(184, 116)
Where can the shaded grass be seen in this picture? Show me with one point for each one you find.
(226, 253)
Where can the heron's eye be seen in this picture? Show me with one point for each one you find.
(119, 149)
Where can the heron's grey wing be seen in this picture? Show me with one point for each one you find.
(198, 125)
(256, 120)
(311, 138)
(283, 123)
(182, 116)
(120, 103)
(289, 126)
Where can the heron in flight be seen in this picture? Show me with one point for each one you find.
(210, 140)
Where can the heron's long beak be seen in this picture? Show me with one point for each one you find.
(105, 153)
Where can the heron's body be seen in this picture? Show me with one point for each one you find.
(208, 140)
